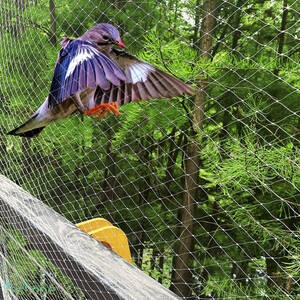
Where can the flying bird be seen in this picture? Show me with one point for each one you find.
(93, 78)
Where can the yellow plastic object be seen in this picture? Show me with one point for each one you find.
(111, 236)
(93, 224)
(115, 238)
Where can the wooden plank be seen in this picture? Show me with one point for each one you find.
(97, 271)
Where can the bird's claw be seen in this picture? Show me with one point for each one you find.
(103, 109)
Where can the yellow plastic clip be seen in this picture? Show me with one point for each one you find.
(110, 236)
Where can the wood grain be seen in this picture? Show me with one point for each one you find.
(97, 271)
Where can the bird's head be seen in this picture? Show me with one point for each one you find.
(103, 35)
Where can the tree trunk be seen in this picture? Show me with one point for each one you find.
(207, 27)
(109, 185)
(19, 25)
(110, 175)
(174, 149)
(181, 282)
(281, 34)
(219, 42)
(153, 259)
(197, 22)
(175, 20)
(140, 251)
(236, 24)
(182, 277)
(52, 34)
(161, 266)
(271, 266)
(143, 198)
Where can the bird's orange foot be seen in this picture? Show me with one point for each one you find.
(103, 109)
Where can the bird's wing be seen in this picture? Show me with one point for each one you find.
(143, 81)
(81, 65)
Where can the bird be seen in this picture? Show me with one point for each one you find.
(94, 78)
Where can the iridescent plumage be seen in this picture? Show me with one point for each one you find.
(91, 76)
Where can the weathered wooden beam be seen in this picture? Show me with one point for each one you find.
(97, 271)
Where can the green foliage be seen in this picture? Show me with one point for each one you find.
(24, 267)
(130, 169)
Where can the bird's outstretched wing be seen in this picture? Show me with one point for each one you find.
(81, 65)
(143, 81)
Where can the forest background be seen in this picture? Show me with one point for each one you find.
(206, 187)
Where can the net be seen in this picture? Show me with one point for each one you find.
(206, 187)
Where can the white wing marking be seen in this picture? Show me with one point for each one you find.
(83, 55)
(139, 72)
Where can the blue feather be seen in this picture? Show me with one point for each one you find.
(71, 75)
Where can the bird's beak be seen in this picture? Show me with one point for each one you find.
(120, 43)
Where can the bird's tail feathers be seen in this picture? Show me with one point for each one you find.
(27, 129)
